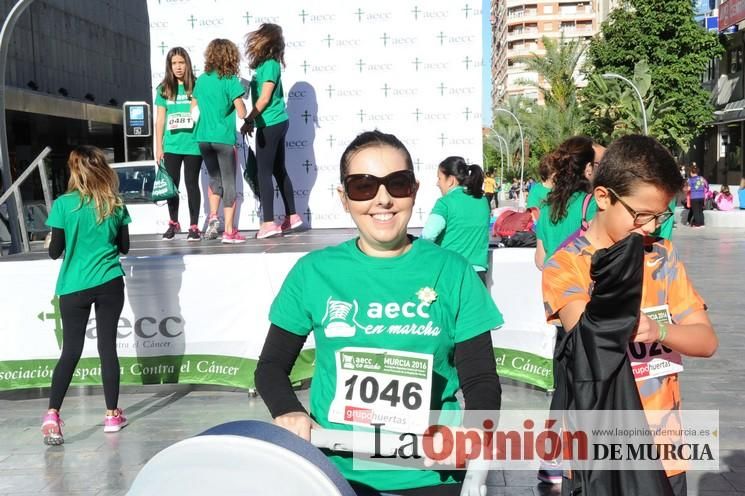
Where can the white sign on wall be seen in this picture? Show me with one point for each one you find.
(408, 68)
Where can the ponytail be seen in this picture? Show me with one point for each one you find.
(474, 182)
(471, 177)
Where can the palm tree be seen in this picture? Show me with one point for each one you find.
(556, 71)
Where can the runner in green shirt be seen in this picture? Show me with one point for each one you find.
(265, 49)
(89, 224)
(561, 215)
(218, 96)
(174, 138)
(413, 311)
(460, 219)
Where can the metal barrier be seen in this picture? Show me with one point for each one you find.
(15, 190)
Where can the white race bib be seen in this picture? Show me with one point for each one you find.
(387, 387)
(655, 359)
(179, 120)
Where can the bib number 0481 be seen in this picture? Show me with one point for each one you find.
(370, 391)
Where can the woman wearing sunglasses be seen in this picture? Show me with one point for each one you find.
(381, 298)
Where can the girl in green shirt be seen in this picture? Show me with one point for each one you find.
(174, 138)
(460, 219)
(218, 96)
(265, 50)
(563, 212)
(89, 224)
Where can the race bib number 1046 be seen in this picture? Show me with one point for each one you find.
(388, 387)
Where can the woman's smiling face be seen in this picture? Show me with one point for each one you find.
(382, 220)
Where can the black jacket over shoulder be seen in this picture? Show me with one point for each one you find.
(592, 371)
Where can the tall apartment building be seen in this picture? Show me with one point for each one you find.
(518, 27)
(499, 50)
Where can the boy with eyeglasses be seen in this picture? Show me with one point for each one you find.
(633, 186)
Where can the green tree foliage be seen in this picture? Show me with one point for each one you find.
(556, 69)
(677, 50)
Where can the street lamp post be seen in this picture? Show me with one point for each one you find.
(501, 140)
(521, 195)
(5, 34)
(613, 75)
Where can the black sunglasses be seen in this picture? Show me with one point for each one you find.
(363, 187)
(643, 218)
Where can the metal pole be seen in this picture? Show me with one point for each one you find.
(501, 140)
(5, 34)
(124, 134)
(521, 195)
(609, 75)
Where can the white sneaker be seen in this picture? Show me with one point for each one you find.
(213, 226)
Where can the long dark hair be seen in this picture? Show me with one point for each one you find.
(568, 162)
(169, 85)
(265, 43)
(369, 139)
(471, 177)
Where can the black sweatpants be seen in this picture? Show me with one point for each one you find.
(270, 160)
(108, 301)
(192, 165)
(697, 212)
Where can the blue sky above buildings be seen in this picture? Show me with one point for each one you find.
(486, 50)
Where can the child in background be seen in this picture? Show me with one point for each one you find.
(724, 200)
(89, 224)
(460, 219)
(490, 190)
(698, 190)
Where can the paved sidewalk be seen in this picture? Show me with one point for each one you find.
(93, 463)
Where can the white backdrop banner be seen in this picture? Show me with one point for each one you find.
(408, 68)
(169, 331)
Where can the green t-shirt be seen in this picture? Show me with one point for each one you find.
(215, 97)
(351, 300)
(665, 231)
(467, 225)
(91, 254)
(537, 195)
(553, 234)
(274, 113)
(178, 135)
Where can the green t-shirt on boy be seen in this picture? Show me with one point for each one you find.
(178, 135)
(91, 254)
(275, 112)
(215, 96)
(380, 320)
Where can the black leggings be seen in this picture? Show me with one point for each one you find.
(270, 160)
(75, 308)
(192, 164)
(696, 214)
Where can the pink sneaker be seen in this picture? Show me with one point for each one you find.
(51, 429)
(115, 423)
(292, 222)
(232, 238)
(268, 232)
